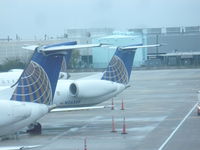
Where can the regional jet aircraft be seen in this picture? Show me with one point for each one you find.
(33, 94)
(92, 90)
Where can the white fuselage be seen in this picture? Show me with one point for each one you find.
(17, 115)
(89, 91)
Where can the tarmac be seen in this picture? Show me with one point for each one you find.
(160, 114)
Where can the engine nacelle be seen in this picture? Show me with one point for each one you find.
(91, 88)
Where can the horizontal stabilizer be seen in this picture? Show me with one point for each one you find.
(61, 47)
(139, 46)
(30, 47)
(78, 108)
(71, 47)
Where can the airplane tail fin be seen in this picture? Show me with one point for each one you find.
(39, 79)
(120, 66)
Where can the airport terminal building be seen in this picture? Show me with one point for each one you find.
(181, 46)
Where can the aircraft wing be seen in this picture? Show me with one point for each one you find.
(78, 108)
(19, 147)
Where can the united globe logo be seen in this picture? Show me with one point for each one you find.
(33, 86)
(116, 71)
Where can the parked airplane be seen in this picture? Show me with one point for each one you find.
(93, 90)
(33, 94)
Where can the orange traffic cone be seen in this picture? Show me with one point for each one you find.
(85, 144)
(122, 105)
(124, 127)
(113, 125)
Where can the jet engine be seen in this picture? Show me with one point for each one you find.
(91, 88)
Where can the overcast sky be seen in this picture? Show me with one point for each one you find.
(29, 18)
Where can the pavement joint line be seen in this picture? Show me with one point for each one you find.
(57, 137)
(176, 129)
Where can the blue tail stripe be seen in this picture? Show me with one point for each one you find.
(120, 66)
(127, 58)
(39, 80)
(55, 65)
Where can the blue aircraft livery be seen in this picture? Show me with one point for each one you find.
(39, 79)
(120, 66)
